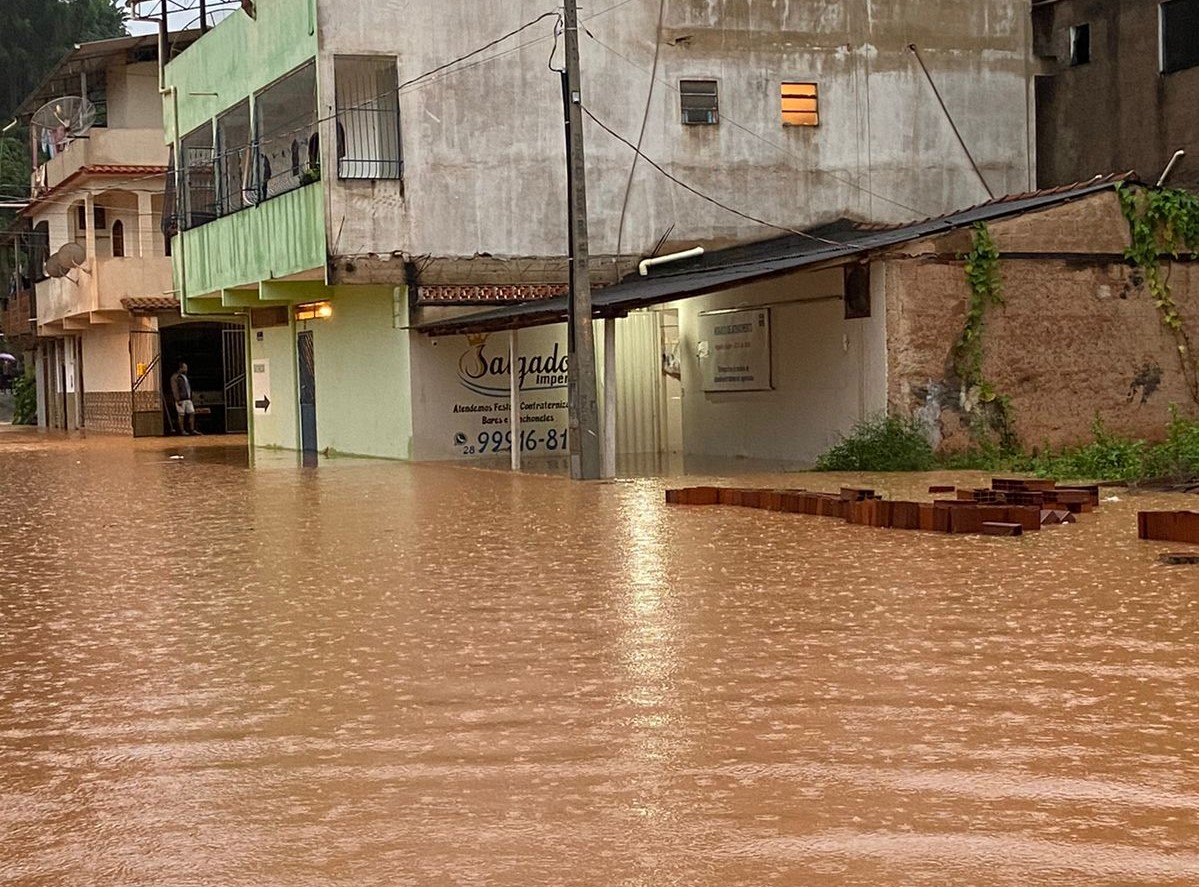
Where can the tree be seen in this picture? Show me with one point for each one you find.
(36, 34)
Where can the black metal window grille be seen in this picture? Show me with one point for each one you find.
(368, 118)
(236, 188)
(1180, 35)
(698, 101)
(198, 197)
(288, 152)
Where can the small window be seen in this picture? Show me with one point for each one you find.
(98, 216)
(368, 118)
(698, 102)
(1080, 45)
(1180, 35)
(800, 104)
(118, 239)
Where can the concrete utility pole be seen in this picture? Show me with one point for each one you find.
(580, 341)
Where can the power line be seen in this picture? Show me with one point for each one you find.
(699, 193)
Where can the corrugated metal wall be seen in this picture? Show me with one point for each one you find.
(639, 406)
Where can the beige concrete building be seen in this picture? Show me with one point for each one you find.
(96, 254)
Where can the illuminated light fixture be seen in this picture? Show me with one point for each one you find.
(314, 311)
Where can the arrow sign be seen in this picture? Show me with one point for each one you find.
(263, 404)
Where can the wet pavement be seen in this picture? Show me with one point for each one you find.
(213, 673)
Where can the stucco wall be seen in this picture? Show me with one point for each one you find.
(106, 358)
(483, 143)
(279, 425)
(828, 372)
(1077, 336)
(363, 396)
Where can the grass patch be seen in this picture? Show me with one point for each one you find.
(896, 444)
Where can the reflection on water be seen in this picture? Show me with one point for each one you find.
(376, 673)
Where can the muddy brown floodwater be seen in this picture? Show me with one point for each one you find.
(373, 673)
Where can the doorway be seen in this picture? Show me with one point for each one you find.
(307, 367)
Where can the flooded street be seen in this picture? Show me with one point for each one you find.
(373, 673)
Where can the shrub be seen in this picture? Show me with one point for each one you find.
(24, 392)
(884, 443)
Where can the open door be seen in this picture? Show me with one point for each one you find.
(151, 413)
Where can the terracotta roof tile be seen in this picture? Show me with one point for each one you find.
(150, 303)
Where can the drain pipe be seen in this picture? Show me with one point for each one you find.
(645, 264)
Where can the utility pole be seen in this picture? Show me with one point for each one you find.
(580, 338)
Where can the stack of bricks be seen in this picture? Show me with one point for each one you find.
(1009, 507)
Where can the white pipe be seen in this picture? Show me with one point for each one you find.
(646, 264)
(1178, 155)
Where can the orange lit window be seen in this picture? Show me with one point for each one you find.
(801, 106)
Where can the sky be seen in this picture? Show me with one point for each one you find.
(185, 14)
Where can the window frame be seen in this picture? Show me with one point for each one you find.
(363, 118)
(814, 97)
(713, 112)
(1163, 67)
(1083, 31)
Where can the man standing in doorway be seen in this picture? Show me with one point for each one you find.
(181, 390)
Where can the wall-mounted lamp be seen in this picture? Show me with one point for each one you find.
(314, 311)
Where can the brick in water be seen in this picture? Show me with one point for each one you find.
(942, 488)
(999, 528)
(905, 515)
(1169, 526)
(751, 498)
(927, 516)
(1091, 490)
(693, 496)
(883, 514)
(965, 519)
(992, 513)
(1027, 516)
(1174, 558)
(941, 517)
(856, 494)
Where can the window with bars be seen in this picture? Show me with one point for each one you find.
(368, 118)
(698, 102)
(800, 104)
(1179, 35)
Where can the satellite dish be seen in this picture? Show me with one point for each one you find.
(71, 255)
(54, 268)
(62, 119)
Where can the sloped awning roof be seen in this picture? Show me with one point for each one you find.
(150, 304)
(831, 245)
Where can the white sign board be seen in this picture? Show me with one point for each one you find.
(260, 384)
(734, 350)
(463, 404)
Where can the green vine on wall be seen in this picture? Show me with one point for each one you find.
(986, 292)
(1164, 221)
